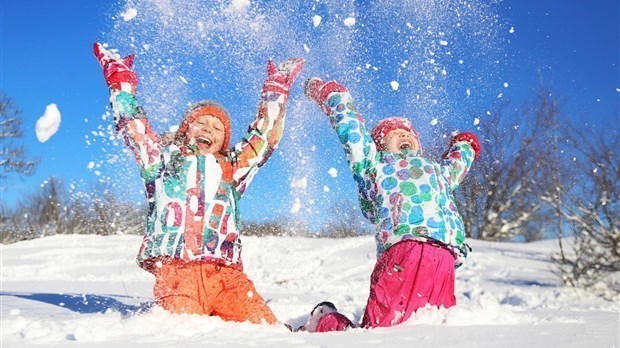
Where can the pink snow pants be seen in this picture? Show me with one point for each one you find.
(408, 276)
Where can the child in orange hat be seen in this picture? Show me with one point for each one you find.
(193, 185)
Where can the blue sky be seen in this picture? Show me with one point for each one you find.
(449, 69)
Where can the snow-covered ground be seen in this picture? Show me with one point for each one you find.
(85, 290)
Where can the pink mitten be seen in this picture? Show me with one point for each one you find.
(116, 70)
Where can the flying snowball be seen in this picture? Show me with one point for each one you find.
(349, 22)
(316, 20)
(476, 121)
(434, 122)
(130, 14)
(333, 172)
(48, 124)
(394, 85)
(306, 48)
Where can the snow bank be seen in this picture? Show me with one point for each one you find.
(88, 290)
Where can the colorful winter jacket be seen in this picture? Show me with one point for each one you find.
(405, 195)
(193, 211)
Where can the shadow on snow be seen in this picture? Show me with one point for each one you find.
(85, 303)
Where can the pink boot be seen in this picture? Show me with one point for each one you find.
(324, 318)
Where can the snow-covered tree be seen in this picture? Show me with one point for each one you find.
(592, 210)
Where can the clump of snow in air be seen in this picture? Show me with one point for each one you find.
(301, 183)
(306, 48)
(325, 188)
(505, 84)
(47, 125)
(443, 42)
(333, 172)
(434, 122)
(476, 121)
(91, 165)
(296, 206)
(512, 30)
(394, 85)
(239, 5)
(349, 21)
(316, 20)
(129, 14)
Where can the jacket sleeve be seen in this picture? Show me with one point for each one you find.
(132, 125)
(456, 162)
(358, 146)
(261, 140)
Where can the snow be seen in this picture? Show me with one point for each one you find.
(296, 206)
(129, 14)
(86, 290)
(333, 172)
(91, 165)
(300, 183)
(394, 85)
(476, 121)
(47, 125)
(316, 20)
(239, 6)
(434, 121)
(349, 21)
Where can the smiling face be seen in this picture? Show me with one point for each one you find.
(208, 133)
(399, 140)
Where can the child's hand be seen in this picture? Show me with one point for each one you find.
(469, 138)
(116, 70)
(281, 77)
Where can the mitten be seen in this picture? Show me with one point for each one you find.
(318, 90)
(471, 139)
(281, 77)
(116, 70)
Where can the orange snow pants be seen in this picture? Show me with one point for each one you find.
(209, 289)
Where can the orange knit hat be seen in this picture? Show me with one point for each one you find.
(202, 108)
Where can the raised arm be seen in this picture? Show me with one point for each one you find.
(456, 162)
(359, 148)
(265, 132)
(130, 120)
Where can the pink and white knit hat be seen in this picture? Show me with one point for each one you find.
(389, 124)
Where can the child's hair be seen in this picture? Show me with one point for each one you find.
(204, 107)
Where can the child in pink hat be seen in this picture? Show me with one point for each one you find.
(409, 198)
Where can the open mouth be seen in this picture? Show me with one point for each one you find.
(406, 145)
(205, 141)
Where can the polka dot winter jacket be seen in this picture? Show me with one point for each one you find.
(193, 199)
(405, 195)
